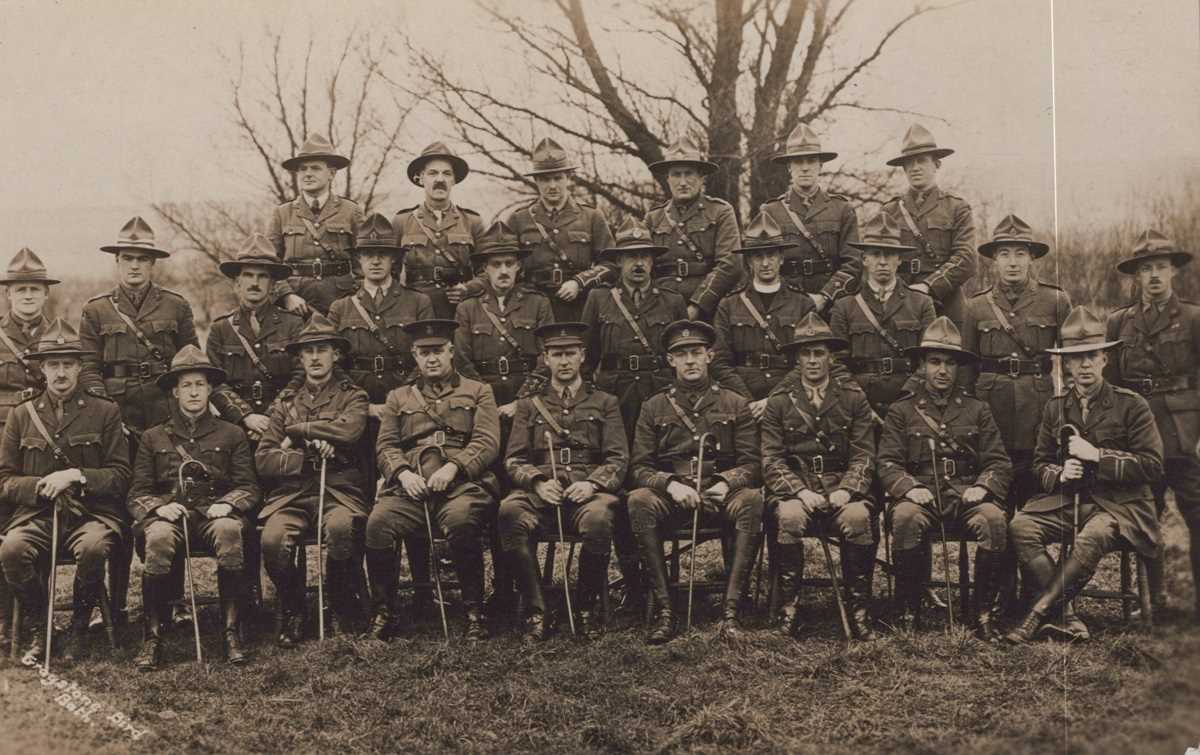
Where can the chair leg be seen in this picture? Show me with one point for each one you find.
(772, 576)
(1126, 587)
(106, 612)
(16, 629)
(887, 553)
(1143, 588)
(964, 580)
(548, 566)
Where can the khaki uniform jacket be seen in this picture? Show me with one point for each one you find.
(906, 463)
(699, 263)
(337, 227)
(247, 390)
(459, 417)
(580, 233)
(221, 446)
(337, 413)
(746, 360)
(592, 447)
(18, 382)
(487, 355)
(834, 268)
(1159, 357)
(437, 253)
(842, 457)
(165, 318)
(1122, 426)
(665, 448)
(948, 261)
(377, 366)
(89, 435)
(1017, 394)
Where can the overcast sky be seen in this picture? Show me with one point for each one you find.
(111, 105)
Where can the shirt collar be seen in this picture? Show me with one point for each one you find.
(881, 293)
(450, 209)
(630, 289)
(372, 289)
(321, 199)
(823, 386)
(1090, 395)
(807, 196)
(572, 387)
(1157, 304)
(772, 288)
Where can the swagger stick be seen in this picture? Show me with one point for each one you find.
(562, 540)
(321, 555)
(937, 494)
(696, 525)
(50, 599)
(434, 565)
(187, 565)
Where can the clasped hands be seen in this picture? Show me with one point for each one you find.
(1080, 450)
(552, 491)
(687, 497)
(924, 496)
(817, 502)
(416, 486)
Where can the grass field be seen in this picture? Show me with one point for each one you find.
(1127, 691)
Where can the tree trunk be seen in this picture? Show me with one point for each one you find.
(724, 127)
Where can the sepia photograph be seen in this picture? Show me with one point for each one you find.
(581, 376)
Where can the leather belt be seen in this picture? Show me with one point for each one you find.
(256, 391)
(762, 360)
(915, 266)
(686, 468)
(505, 365)
(818, 463)
(681, 269)
(793, 267)
(1151, 386)
(633, 363)
(380, 364)
(17, 396)
(554, 276)
(436, 438)
(567, 455)
(1014, 367)
(318, 268)
(138, 370)
(950, 468)
(435, 274)
(881, 366)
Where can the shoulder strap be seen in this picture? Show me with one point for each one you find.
(546, 415)
(550, 242)
(234, 323)
(42, 431)
(637, 329)
(811, 424)
(433, 239)
(505, 336)
(871, 318)
(691, 426)
(955, 446)
(758, 318)
(1008, 328)
(796, 221)
(315, 235)
(912, 226)
(680, 230)
(423, 407)
(8, 342)
(371, 326)
(155, 352)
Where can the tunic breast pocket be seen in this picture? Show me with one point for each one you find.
(163, 333)
(745, 333)
(993, 341)
(36, 458)
(338, 236)
(721, 425)
(1039, 332)
(1174, 347)
(826, 230)
(417, 248)
(461, 245)
(939, 231)
(579, 248)
(588, 428)
(86, 448)
(702, 231)
(906, 330)
(460, 414)
(294, 238)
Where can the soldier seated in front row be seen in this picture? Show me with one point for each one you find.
(580, 470)
(963, 483)
(670, 429)
(199, 468)
(1098, 453)
(818, 450)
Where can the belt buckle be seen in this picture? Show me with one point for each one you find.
(634, 363)
(914, 266)
(1147, 386)
(681, 268)
(502, 366)
(886, 366)
(564, 455)
(818, 464)
(25, 394)
(693, 464)
(437, 273)
(949, 468)
(318, 268)
(806, 268)
(256, 391)
(556, 276)
(378, 363)
(1014, 367)
(439, 438)
(143, 370)
(764, 361)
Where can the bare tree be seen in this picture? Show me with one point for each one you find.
(751, 70)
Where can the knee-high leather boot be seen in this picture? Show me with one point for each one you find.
(745, 547)
(988, 574)
(32, 596)
(289, 588)
(383, 572)
(468, 562)
(229, 587)
(593, 580)
(523, 565)
(655, 566)
(156, 592)
(85, 596)
(858, 562)
(1062, 589)
(791, 575)
(912, 570)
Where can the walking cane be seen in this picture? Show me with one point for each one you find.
(434, 566)
(562, 540)
(50, 600)
(696, 525)
(937, 494)
(184, 493)
(837, 588)
(320, 555)
(1065, 434)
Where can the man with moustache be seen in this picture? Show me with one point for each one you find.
(665, 453)
(1159, 358)
(935, 222)
(820, 226)
(63, 448)
(314, 233)
(973, 468)
(1108, 464)
(214, 460)
(438, 236)
(565, 238)
(439, 438)
(590, 456)
(698, 231)
(26, 286)
(321, 423)
(755, 322)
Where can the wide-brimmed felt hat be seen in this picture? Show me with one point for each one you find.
(256, 251)
(1012, 230)
(377, 235)
(632, 236)
(431, 332)
(1081, 333)
(942, 335)
(562, 334)
(438, 151)
(803, 142)
(812, 329)
(59, 340)
(880, 232)
(1152, 244)
(318, 330)
(763, 234)
(317, 147)
(549, 157)
(27, 267)
(190, 359)
(687, 333)
(685, 152)
(919, 141)
(136, 236)
(499, 238)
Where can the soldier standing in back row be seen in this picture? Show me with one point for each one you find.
(565, 237)
(699, 232)
(314, 233)
(937, 223)
(821, 226)
(438, 236)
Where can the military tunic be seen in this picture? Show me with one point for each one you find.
(317, 248)
(90, 436)
(225, 452)
(503, 360)
(248, 389)
(840, 455)
(747, 360)
(699, 263)
(121, 366)
(569, 249)
(381, 358)
(437, 251)
(830, 266)
(19, 380)
(945, 256)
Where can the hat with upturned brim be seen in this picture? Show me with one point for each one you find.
(1151, 245)
(257, 251)
(377, 235)
(316, 147)
(59, 340)
(498, 239)
(919, 141)
(803, 142)
(549, 157)
(1012, 231)
(686, 153)
(318, 330)
(942, 336)
(632, 236)
(438, 151)
(26, 267)
(136, 236)
(1082, 332)
(190, 359)
(812, 329)
(881, 232)
(763, 234)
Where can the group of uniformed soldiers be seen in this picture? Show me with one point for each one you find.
(393, 380)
